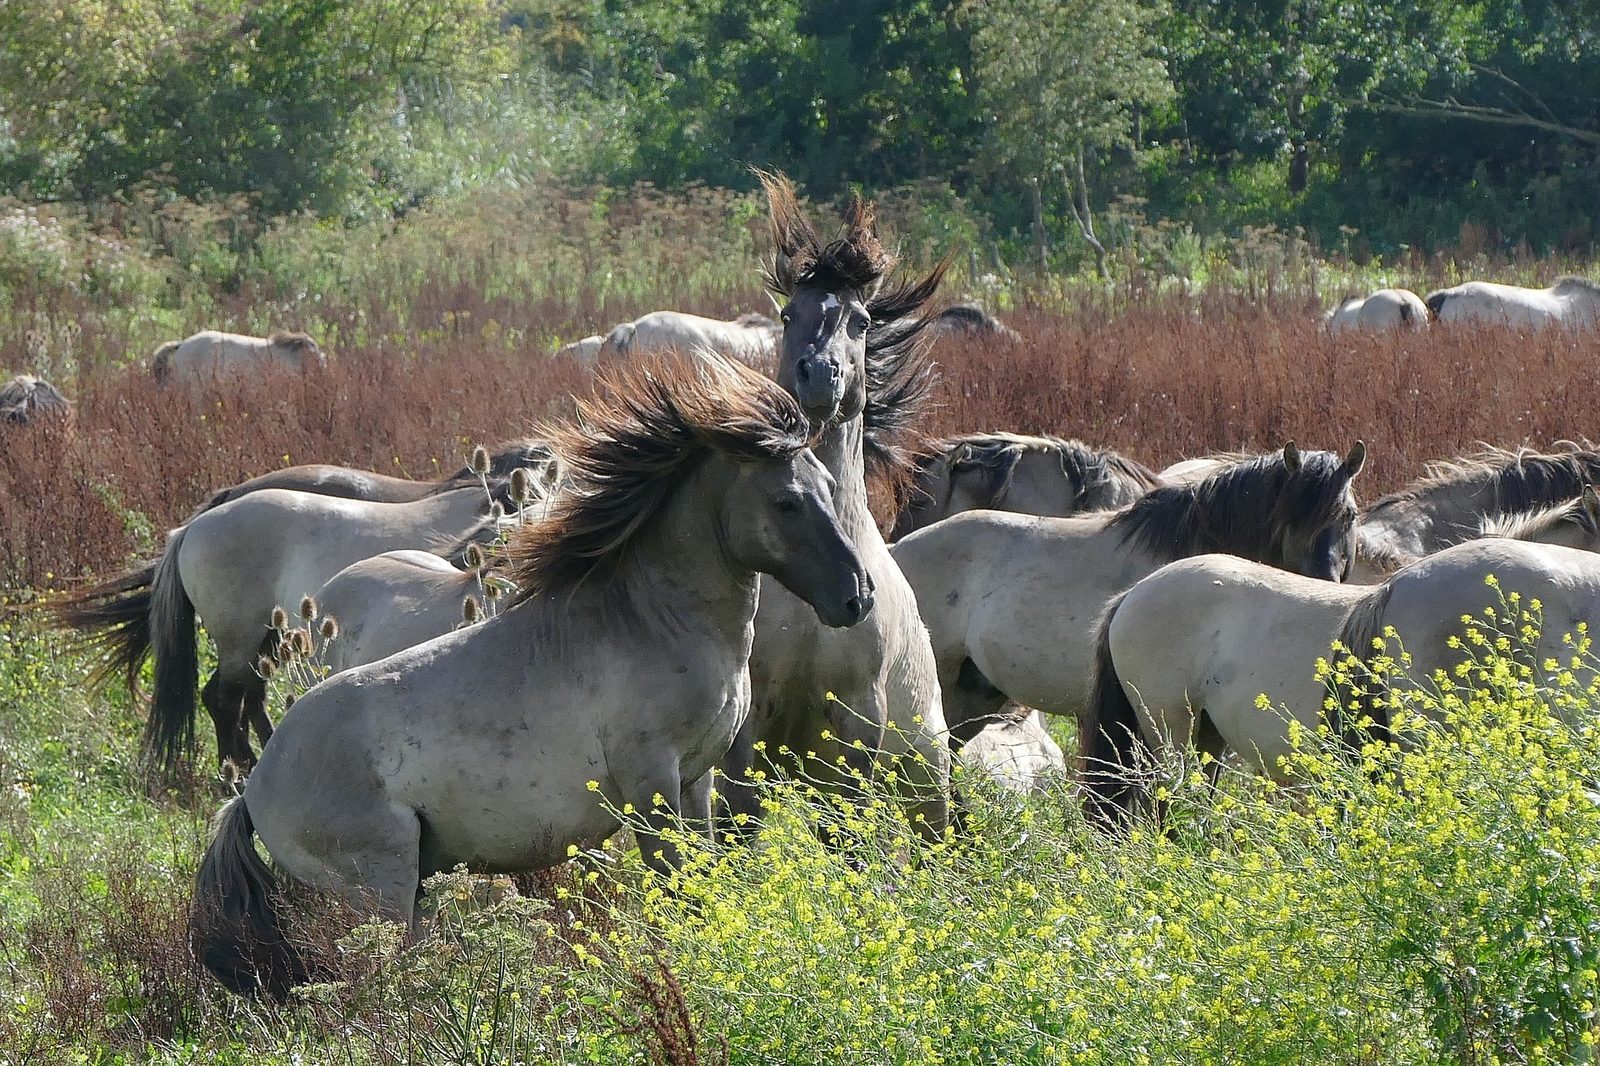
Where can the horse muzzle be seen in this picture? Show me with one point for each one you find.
(854, 609)
(819, 387)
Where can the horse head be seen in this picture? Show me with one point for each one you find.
(1315, 518)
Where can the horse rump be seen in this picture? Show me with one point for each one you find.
(235, 928)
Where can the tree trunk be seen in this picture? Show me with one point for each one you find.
(1078, 200)
(1041, 249)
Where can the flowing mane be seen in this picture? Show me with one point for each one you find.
(629, 448)
(1518, 481)
(1223, 513)
(1537, 525)
(1574, 283)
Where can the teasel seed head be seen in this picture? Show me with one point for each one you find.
(471, 610)
(480, 460)
(280, 619)
(308, 608)
(330, 628)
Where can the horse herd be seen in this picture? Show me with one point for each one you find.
(1571, 302)
(691, 580)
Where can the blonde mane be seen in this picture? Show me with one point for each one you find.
(629, 448)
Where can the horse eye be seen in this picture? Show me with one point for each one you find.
(785, 316)
(861, 321)
(788, 507)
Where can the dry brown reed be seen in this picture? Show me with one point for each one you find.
(1160, 381)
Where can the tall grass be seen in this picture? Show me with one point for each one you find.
(1160, 380)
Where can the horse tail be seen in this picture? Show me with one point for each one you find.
(113, 617)
(1436, 301)
(1406, 311)
(235, 928)
(161, 362)
(169, 731)
(1108, 736)
(1362, 627)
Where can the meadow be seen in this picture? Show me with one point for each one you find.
(1450, 919)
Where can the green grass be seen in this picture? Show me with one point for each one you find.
(1435, 906)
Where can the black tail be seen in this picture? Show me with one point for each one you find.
(1108, 737)
(113, 618)
(235, 929)
(169, 731)
(1364, 697)
(1435, 302)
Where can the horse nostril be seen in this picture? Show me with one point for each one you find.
(859, 606)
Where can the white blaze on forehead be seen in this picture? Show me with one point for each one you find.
(829, 302)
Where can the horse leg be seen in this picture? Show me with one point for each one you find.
(379, 842)
(224, 701)
(694, 801)
(860, 720)
(971, 701)
(255, 709)
(736, 791)
(656, 793)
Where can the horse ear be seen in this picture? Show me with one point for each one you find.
(1291, 457)
(1356, 459)
(1591, 504)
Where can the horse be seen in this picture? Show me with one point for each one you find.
(1016, 752)
(1194, 471)
(1448, 503)
(1011, 601)
(391, 602)
(852, 356)
(232, 566)
(1012, 472)
(1184, 656)
(751, 338)
(613, 682)
(352, 484)
(26, 399)
(1571, 302)
(1385, 309)
(210, 355)
(970, 320)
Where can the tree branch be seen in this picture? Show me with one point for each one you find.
(1421, 107)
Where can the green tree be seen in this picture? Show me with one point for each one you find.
(833, 91)
(288, 100)
(1064, 82)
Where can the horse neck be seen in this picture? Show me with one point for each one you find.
(678, 576)
(842, 450)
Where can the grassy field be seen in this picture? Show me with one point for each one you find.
(1447, 921)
